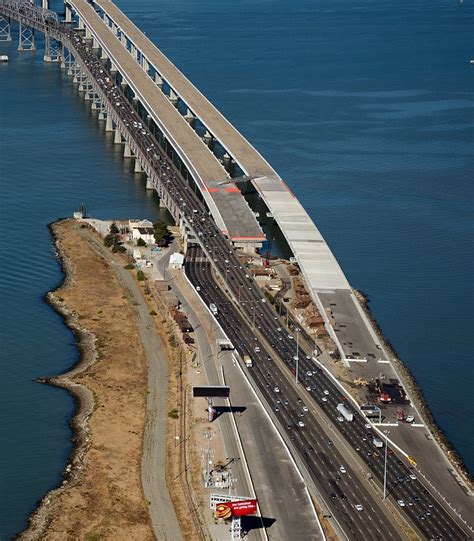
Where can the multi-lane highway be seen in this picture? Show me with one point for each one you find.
(251, 322)
(420, 507)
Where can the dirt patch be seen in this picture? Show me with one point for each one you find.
(102, 496)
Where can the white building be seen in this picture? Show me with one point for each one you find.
(142, 229)
(176, 261)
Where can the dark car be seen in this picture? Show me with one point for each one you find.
(333, 496)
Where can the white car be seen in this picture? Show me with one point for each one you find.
(342, 469)
(401, 503)
(256, 349)
(276, 389)
(198, 288)
(279, 329)
(301, 424)
(305, 408)
(412, 476)
(308, 388)
(324, 399)
(309, 373)
(359, 507)
(290, 336)
(340, 419)
(368, 425)
(326, 392)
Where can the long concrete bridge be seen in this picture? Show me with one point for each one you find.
(207, 149)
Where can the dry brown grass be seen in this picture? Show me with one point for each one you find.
(108, 501)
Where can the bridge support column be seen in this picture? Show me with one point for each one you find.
(149, 184)
(138, 167)
(162, 203)
(127, 153)
(208, 138)
(26, 38)
(80, 24)
(52, 49)
(67, 13)
(173, 98)
(118, 137)
(158, 80)
(5, 29)
(109, 125)
(190, 118)
(45, 4)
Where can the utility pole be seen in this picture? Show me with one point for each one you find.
(386, 432)
(297, 353)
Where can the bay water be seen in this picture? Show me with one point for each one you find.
(365, 108)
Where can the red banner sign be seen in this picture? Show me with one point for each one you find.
(236, 509)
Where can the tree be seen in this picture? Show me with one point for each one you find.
(114, 229)
(161, 233)
(141, 242)
(140, 276)
(109, 240)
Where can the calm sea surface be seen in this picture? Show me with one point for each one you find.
(365, 108)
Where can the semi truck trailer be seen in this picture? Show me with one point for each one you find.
(345, 412)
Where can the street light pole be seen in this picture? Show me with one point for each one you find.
(297, 353)
(386, 432)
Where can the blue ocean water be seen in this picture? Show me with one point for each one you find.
(365, 108)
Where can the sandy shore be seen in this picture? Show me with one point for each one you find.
(416, 394)
(101, 496)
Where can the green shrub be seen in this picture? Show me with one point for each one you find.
(140, 276)
(141, 242)
(129, 267)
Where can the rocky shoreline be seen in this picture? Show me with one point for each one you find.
(416, 394)
(85, 343)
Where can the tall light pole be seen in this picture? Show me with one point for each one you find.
(297, 330)
(386, 432)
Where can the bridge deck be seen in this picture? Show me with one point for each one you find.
(201, 163)
(315, 258)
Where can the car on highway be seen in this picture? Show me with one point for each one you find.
(412, 476)
(340, 419)
(308, 388)
(324, 399)
(368, 425)
(326, 392)
(333, 496)
(301, 424)
(305, 408)
(279, 329)
(276, 389)
(342, 469)
(309, 373)
(290, 336)
(330, 442)
(276, 408)
(359, 507)
(401, 503)
(256, 349)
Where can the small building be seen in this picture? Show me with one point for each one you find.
(137, 255)
(142, 229)
(176, 261)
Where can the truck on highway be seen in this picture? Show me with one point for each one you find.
(377, 442)
(248, 361)
(213, 309)
(345, 412)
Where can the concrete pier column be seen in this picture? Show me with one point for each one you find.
(207, 138)
(173, 98)
(113, 68)
(118, 137)
(102, 115)
(226, 159)
(138, 167)
(45, 4)
(189, 117)
(149, 184)
(162, 203)
(67, 13)
(127, 153)
(109, 125)
(80, 24)
(158, 80)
